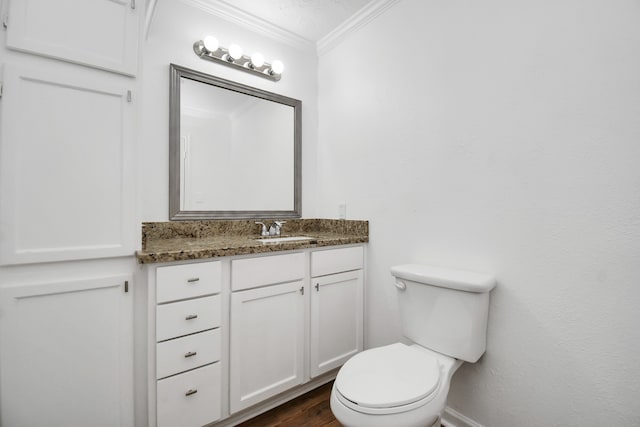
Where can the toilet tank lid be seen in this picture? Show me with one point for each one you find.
(445, 277)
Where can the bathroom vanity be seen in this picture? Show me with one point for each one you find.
(237, 325)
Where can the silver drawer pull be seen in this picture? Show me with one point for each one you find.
(191, 317)
(191, 391)
(193, 279)
(191, 353)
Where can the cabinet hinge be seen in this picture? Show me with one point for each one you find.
(1, 87)
(5, 21)
(126, 286)
(133, 4)
(128, 96)
(302, 290)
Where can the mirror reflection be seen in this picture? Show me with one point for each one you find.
(235, 150)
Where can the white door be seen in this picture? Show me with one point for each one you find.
(98, 33)
(66, 354)
(267, 342)
(336, 320)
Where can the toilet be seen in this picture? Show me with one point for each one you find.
(443, 313)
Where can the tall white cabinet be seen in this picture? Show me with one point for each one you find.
(67, 211)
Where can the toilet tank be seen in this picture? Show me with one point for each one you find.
(444, 309)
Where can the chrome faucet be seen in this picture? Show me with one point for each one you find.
(276, 228)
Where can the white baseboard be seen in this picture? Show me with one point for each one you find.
(453, 418)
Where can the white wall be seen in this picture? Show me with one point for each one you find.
(502, 137)
(176, 26)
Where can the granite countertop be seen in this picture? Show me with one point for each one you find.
(189, 240)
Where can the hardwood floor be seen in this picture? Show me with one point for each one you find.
(309, 410)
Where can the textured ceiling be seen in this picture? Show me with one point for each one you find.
(310, 19)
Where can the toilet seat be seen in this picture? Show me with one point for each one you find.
(386, 380)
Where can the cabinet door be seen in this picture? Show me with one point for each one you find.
(336, 320)
(267, 342)
(66, 167)
(66, 354)
(98, 33)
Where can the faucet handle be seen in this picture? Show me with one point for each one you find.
(264, 231)
(276, 227)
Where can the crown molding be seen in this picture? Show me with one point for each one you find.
(231, 13)
(353, 24)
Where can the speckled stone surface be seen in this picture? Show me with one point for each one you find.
(186, 240)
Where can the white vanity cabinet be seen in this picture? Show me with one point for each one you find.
(188, 316)
(267, 334)
(336, 307)
(269, 327)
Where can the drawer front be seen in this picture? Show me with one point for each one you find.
(191, 399)
(253, 272)
(187, 317)
(177, 282)
(183, 354)
(336, 260)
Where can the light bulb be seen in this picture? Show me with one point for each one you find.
(211, 43)
(277, 67)
(257, 60)
(235, 51)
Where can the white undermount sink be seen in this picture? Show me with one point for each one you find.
(273, 240)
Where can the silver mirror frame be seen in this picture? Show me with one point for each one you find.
(175, 213)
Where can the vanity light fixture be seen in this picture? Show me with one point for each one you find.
(210, 49)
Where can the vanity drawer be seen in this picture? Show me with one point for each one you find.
(182, 354)
(253, 272)
(191, 399)
(336, 260)
(187, 317)
(177, 282)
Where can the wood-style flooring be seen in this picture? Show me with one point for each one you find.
(309, 410)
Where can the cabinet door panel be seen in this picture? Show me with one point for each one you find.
(336, 320)
(267, 342)
(99, 33)
(66, 151)
(66, 354)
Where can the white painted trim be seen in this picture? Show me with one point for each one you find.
(258, 25)
(148, 17)
(353, 24)
(453, 418)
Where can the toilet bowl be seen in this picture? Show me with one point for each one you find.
(444, 313)
(395, 385)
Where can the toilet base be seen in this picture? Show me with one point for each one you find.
(427, 415)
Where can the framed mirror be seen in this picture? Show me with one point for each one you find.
(234, 150)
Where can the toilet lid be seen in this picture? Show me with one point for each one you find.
(384, 377)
